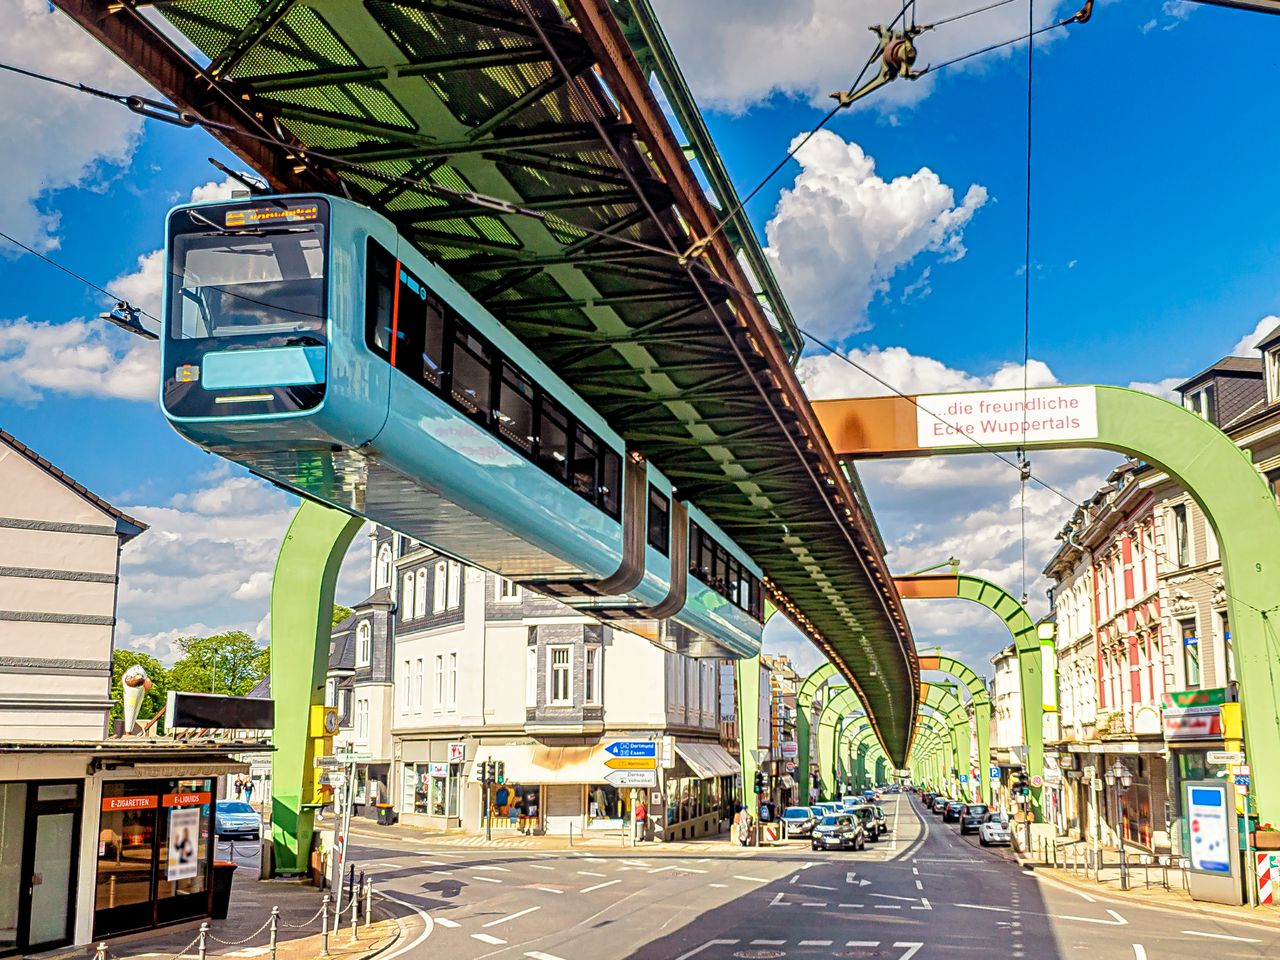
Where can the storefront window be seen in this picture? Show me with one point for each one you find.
(13, 803)
(154, 853)
(604, 804)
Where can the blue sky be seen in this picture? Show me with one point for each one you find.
(1153, 254)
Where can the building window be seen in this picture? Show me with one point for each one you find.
(382, 577)
(560, 677)
(531, 677)
(331, 692)
(453, 680)
(417, 685)
(406, 598)
(1181, 536)
(454, 596)
(1191, 653)
(592, 675)
(1272, 358)
(406, 685)
(1203, 403)
(508, 591)
(364, 643)
(437, 703)
(1228, 649)
(437, 595)
(362, 719)
(420, 594)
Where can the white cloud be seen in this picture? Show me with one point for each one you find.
(208, 561)
(1244, 346)
(1173, 13)
(841, 232)
(56, 138)
(736, 53)
(79, 358)
(1161, 388)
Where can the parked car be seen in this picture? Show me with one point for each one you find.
(952, 812)
(938, 804)
(841, 831)
(871, 796)
(798, 821)
(972, 815)
(927, 798)
(994, 829)
(236, 820)
(874, 824)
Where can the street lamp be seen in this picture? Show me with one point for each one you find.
(1120, 777)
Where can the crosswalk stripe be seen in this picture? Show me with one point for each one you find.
(486, 938)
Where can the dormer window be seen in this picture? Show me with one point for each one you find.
(1202, 402)
(1272, 365)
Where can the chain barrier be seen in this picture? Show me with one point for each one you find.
(236, 943)
(306, 923)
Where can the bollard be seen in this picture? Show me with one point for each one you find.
(368, 901)
(324, 928)
(354, 905)
(204, 933)
(101, 953)
(275, 930)
(355, 894)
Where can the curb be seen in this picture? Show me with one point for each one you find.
(1126, 896)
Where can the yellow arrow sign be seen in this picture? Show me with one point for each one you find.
(631, 763)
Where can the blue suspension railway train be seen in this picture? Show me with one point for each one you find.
(306, 340)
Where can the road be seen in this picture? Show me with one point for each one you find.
(924, 893)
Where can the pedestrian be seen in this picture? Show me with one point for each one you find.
(642, 816)
(514, 816)
(239, 787)
(813, 795)
(248, 791)
(500, 800)
(532, 811)
(744, 827)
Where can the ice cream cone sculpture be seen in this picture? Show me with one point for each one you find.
(134, 684)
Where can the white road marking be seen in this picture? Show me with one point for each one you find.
(863, 943)
(776, 902)
(486, 938)
(588, 873)
(548, 889)
(738, 876)
(636, 863)
(435, 863)
(813, 904)
(1116, 921)
(887, 906)
(1219, 936)
(767, 943)
(439, 873)
(663, 869)
(815, 943)
(890, 896)
(490, 867)
(600, 886)
(487, 879)
(816, 886)
(1139, 952)
(911, 946)
(428, 926)
(717, 884)
(445, 922)
(539, 955)
(710, 943)
(510, 916)
(539, 866)
(856, 906)
(925, 904)
(1086, 896)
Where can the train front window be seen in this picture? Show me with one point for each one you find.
(268, 282)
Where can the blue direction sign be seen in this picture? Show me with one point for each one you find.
(1242, 779)
(995, 773)
(632, 748)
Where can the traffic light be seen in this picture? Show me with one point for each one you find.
(500, 771)
(759, 785)
(1020, 787)
(486, 771)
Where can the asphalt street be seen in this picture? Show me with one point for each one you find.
(921, 893)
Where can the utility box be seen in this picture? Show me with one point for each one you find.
(1214, 850)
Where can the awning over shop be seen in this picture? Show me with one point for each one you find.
(195, 768)
(537, 764)
(708, 760)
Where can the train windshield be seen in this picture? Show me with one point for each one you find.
(263, 282)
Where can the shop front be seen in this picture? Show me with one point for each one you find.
(429, 784)
(1192, 722)
(699, 791)
(39, 839)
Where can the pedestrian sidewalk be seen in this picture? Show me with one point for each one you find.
(1151, 884)
(246, 933)
(509, 840)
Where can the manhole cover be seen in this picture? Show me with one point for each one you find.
(760, 954)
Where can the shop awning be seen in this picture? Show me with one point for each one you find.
(536, 764)
(206, 768)
(708, 760)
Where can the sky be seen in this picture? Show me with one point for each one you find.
(897, 233)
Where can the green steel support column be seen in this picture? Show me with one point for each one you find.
(881, 766)
(862, 741)
(980, 700)
(943, 734)
(804, 716)
(844, 702)
(939, 697)
(301, 616)
(748, 674)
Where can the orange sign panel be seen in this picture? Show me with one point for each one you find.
(186, 799)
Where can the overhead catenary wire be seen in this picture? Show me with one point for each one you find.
(1026, 291)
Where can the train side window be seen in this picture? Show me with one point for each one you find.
(553, 439)
(586, 463)
(379, 292)
(514, 415)
(707, 560)
(433, 321)
(471, 373)
(611, 483)
(659, 521)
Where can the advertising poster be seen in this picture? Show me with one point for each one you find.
(184, 837)
(1210, 837)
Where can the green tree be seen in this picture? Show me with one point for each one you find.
(340, 613)
(153, 701)
(226, 663)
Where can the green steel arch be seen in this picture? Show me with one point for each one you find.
(1026, 643)
(804, 716)
(939, 697)
(946, 742)
(980, 700)
(833, 713)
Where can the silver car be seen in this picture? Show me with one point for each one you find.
(994, 829)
